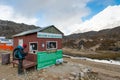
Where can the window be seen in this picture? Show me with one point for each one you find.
(51, 45)
(33, 46)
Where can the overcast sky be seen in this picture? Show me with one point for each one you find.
(67, 15)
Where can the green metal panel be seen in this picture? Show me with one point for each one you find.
(59, 54)
(45, 59)
(52, 29)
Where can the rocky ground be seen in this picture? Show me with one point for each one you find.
(104, 71)
(71, 69)
(65, 71)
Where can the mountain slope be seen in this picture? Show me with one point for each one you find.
(107, 39)
(106, 34)
(107, 18)
(9, 28)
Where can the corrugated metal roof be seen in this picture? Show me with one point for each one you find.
(33, 31)
(27, 32)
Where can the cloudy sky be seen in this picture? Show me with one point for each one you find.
(67, 15)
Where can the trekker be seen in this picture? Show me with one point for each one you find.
(19, 55)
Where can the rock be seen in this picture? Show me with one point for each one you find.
(60, 78)
(42, 79)
(73, 74)
(77, 78)
(87, 70)
(46, 76)
(80, 65)
(55, 76)
(82, 74)
(65, 62)
(83, 79)
(65, 79)
(71, 78)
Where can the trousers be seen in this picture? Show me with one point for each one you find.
(20, 66)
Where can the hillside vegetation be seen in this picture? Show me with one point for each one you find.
(107, 39)
(9, 28)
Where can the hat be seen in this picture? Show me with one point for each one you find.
(24, 45)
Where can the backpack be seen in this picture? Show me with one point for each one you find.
(15, 53)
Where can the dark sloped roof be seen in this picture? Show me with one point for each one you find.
(33, 31)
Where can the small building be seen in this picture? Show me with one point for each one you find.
(46, 43)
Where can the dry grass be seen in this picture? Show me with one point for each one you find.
(90, 54)
(103, 56)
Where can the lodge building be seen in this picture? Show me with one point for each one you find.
(46, 43)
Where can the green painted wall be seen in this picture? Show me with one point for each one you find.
(45, 59)
(51, 30)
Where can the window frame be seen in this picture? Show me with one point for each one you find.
(52, 48)
(33, 50)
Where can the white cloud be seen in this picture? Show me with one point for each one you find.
(64, 14)
(8, 13)
(108, 18)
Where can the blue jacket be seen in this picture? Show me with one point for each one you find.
(20, 53)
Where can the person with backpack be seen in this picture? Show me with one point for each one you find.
(19, 54)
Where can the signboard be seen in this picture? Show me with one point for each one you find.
(48, 35)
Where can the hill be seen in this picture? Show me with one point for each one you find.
(9, 28)
(106, 34)
(107, 39)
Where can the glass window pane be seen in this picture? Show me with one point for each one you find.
(33, 46)
(51, 45)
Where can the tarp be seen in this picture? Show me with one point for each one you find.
(4, 46)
